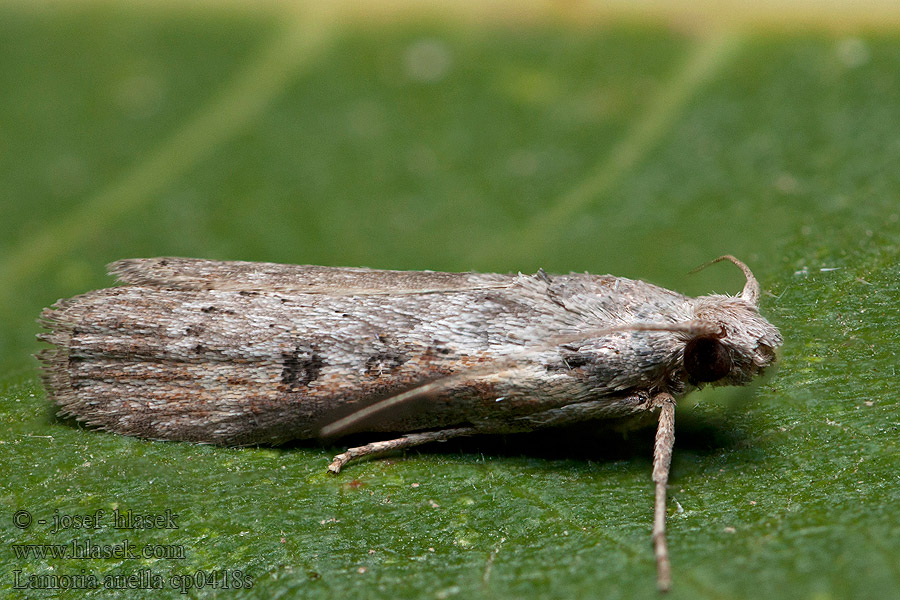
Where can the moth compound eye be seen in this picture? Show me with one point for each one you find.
(706, 359)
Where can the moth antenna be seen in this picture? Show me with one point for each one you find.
(691, 328)
(343, 424)
(751, 291)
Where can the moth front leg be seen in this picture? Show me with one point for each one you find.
(407, 441)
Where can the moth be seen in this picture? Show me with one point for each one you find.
(243, 353)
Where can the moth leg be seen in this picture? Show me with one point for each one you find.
(662, 458)
(407, 441)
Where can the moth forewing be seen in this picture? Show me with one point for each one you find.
(241, 353)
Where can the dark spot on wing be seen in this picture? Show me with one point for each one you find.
(384, 362)
(213, 309)
(301, 367)
(571, 360)
(436, 350)
(577, 359)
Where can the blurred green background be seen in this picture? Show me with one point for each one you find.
(488, 137)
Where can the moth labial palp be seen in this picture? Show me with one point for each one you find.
(240, 353)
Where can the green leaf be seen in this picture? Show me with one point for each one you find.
(422, 143)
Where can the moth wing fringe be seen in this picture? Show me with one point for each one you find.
(90, 398)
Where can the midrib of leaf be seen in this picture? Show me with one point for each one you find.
(227, 115)
(708, 57)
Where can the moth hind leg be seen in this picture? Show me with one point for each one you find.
(401, 443)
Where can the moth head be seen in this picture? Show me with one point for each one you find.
(738, 344)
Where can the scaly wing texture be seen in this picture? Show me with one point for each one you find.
(200, 274)
(234, 353)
